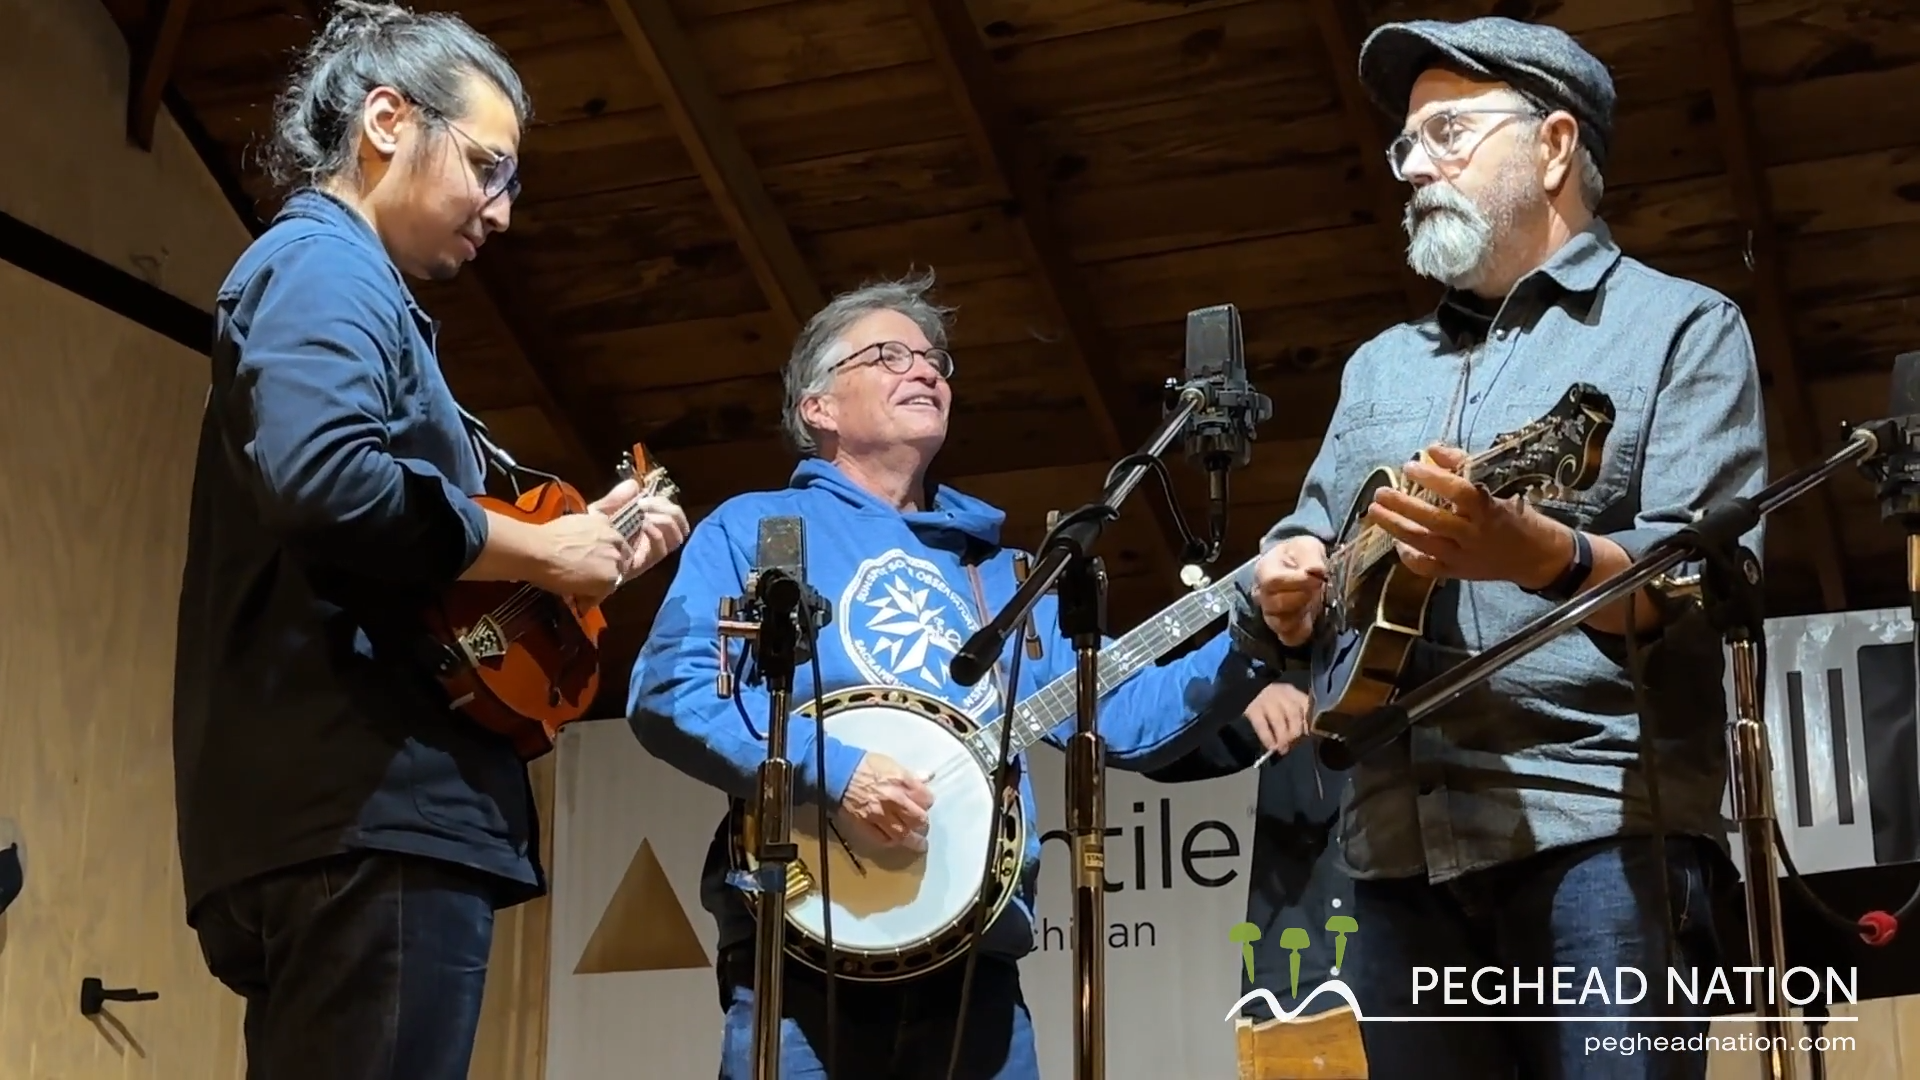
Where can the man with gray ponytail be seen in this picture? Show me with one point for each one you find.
(913, 568)
(345, 836)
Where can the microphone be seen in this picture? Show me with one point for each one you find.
(777, 586)
(1898, 474)
(1220, 433)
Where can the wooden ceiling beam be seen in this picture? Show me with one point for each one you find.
(1341, 32)
(1768, 311)
(996, 138)
(150, 68)
(721, 159)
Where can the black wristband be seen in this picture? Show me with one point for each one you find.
(1567, 585)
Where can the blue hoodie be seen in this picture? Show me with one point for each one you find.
(902, 606)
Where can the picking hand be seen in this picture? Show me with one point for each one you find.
(888, 803)
(1280, 715)
(1290, 587)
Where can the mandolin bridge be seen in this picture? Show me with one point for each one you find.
(483, 641)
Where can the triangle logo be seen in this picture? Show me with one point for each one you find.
(645, 927)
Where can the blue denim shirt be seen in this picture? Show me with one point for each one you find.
(1546, 753)
(332, 499)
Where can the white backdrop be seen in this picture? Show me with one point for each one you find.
(632, 949)
(1171, 976)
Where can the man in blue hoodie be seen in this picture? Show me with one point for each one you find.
(910, 570)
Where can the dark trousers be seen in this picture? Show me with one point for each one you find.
(1590, 908)
(886, 1031)
(368, 966)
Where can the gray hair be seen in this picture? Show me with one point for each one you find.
(1586, 171)
(821, 345)
(427, 58)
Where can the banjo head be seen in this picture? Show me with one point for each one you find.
(896, 912)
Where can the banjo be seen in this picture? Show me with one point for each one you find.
(899, 913)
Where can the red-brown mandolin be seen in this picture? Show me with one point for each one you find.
(519, 660)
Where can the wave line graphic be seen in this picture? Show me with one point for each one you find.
(1331, 986)
(1343, 992)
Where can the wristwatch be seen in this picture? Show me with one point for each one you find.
(1567, 585)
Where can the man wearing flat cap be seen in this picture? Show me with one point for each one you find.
(1515, 829)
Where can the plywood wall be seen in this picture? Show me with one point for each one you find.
(96, 428)
(71, 171)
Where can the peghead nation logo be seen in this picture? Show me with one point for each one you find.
(1691, 996)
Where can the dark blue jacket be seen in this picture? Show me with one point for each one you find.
(331, 497)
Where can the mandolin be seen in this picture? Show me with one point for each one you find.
(521, 661)
(1376, 608)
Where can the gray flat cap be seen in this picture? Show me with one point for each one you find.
(1542, 62)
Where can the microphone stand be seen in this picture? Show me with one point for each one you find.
(769, 616)
(1728, 593)
(1066, 562)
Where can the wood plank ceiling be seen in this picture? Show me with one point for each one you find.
(1081, 174)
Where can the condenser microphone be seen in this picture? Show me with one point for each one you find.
(1220, 434)
(779, 582)
(1899, 473)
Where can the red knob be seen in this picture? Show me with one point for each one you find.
(1878, 927)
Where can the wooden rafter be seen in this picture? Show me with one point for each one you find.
(968, 72)
(1341, 32)
(1773, 334)
(151, 67)
(721, 159)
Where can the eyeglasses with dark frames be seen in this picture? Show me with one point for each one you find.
(1445, 138)
(898, 358)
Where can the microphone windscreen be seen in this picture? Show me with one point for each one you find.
(1905, 399)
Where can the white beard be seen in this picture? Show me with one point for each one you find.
(1451, 239)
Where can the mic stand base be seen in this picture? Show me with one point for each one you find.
(1083, 618)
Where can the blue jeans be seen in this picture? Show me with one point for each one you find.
(1589, 907)
(886, 1031)
(368, 966)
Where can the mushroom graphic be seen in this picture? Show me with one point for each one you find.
(1341, 925)
(1293, 939)
(1244, 935)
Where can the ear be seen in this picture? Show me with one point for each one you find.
(382, 116)
(1559, 146)
(817, 411)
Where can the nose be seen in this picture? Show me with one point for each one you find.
(1418, 168)
(497, 215)
(924, 371)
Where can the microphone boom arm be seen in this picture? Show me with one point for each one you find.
(1074, 538)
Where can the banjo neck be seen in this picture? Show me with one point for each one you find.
(1044, 709)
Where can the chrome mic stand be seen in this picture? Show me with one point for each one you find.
(769, 616)
(1066, 562)
(1728, 591)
